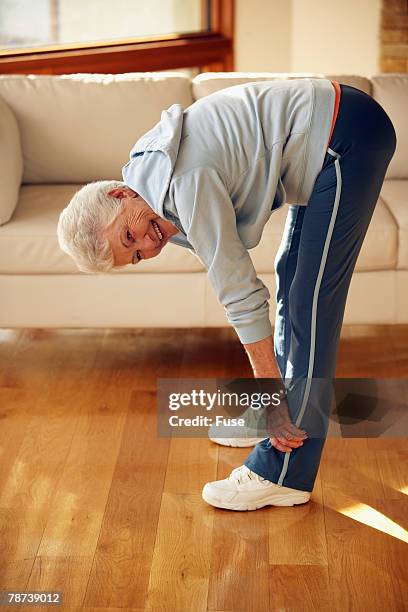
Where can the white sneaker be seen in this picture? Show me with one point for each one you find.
(241, 437)
(245, 490)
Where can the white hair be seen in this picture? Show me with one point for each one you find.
(80, 225)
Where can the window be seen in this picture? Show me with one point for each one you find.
(61, 36)
(62, 22)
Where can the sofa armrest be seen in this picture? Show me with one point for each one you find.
(11, 162)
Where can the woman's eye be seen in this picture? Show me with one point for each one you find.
(129, 236)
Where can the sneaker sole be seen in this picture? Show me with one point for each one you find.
(237, 442)
(282, 501)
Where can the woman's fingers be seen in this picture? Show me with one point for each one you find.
(279, 446)
(289, 441)
(285, 445)
(288, 432)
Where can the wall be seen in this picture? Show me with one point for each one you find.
(262, 35)
(394, 36)
(327, 36)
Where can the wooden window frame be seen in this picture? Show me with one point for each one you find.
(209, 51)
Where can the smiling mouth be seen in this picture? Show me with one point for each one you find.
(157, 230)
(160, 237)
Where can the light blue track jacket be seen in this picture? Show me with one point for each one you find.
(219, 169)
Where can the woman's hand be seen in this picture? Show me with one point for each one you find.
(283, 434)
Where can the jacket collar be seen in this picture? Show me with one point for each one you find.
(152, 159)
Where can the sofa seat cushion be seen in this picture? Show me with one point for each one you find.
(395, 196)
(29, 244)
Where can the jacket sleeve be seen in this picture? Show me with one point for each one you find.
(208, 217)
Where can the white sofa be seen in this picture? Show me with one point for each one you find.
(61, 132)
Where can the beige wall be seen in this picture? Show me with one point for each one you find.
(337, 36)
(262, 35)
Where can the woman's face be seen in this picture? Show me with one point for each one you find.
(137, 232)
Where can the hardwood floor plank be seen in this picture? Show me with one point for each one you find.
(10, 341)
(28, 491)
(299, 587)
(66, 574)
(349, 467)
(192, 462)
(239, 562)
(205, 355)
(123, 556)
(141, 356)
(399, 348)
(20, 535)
(181, 561)
(297, 535)
(360, 559)
(31, 481)
(103, 609)
(393, 470)
(360, 574)
(365, 352)
(229, 458)
(396, 525)
(38, 427)
(16, 415)
(80, 497)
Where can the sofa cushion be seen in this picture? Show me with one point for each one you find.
(353, 80)
(29, 244)
(209, 82)
(80, 128)
(11, 162)
(395, 196)
(391, 91)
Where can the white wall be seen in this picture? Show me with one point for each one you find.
(327, 36)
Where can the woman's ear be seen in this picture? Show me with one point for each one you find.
(118, 192)
(122, 192)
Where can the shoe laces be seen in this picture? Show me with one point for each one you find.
(243, 474)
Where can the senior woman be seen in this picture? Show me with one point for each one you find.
(208, 178)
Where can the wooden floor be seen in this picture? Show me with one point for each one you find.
(93, 504)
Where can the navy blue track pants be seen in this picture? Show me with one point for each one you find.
(314, 265)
